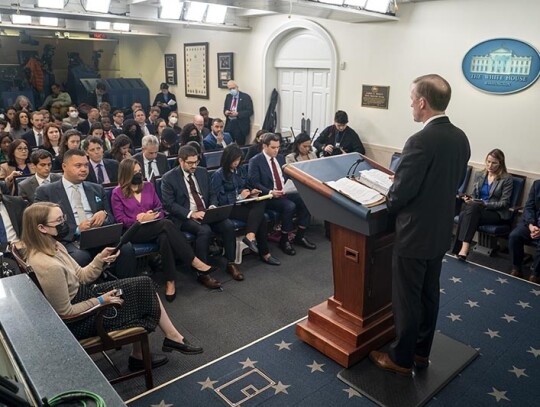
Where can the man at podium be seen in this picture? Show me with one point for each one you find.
(422, 197)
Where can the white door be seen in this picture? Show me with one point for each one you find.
(303, 94)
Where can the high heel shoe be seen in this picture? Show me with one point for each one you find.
(170, 297)
(210, 270)
(462, 258)
(185, 347)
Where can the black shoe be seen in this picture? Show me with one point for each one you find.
(462, 258)
(287, 248)
(186, 347)
(251, 244)
(271, 260)
(138, 364)
(209, 282)
(170, 298)
(305, 243)
(210, 270)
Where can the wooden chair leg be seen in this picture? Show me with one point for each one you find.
(147, 359)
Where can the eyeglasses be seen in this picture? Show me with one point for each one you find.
(58, 221)
(192, 163)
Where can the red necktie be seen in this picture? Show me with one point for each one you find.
(233, 104)
(277, 178)
(195, 194)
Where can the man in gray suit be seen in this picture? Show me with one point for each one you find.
(153, 163)
(423, 195)
(42, 161)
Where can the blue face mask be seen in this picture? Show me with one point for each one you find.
(233, 92)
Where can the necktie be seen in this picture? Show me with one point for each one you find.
(233, 104)
(277, 178)
(100, 177)
(39, 139)
(77, 202)
(195, 194)
(150, 170)
(3, 234)
(45, 181)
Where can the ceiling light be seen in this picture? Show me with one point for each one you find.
(120, 26)
(216, 14)
(171, 9)
(21, 19)
(380, 6)
(334, 2)
(103, 25)
(52, 21)
(59, 4)
(196, 11)
(97, 6)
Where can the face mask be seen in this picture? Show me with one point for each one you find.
(137, 179)
(173, 120)
(233, 92)
(73, 115)
(62, 230)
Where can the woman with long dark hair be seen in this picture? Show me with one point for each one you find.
(191, 133)
(21, 124)
(52, 134)
(18, 163)
(5, 142)
(301, 149)
(135, 200)
(132, 129)
(121, 148)
(71, 140)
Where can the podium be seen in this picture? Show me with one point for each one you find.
(358, 317)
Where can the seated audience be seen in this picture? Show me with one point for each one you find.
(153, 163)
(22, 103)
(104, 110)
(57, 119)
(58, 101)
(203, 111)
(5, 142)
(266, 176)
(301, 149)
(118, 120)
(187, 194)
(230, 185)
(121, 148)
(153, 116)
(20, 124)
(99, 95)
(256, 148)
(135, 105)
(133, 131)
(147, 129)
(11, 113)
(198, 121)
(159, 126)
(339, 138)
(173, 122)
(85, 126)
(527, 232)
(109, 133)
(34, 137)
(86, 206)
(135, 200)
(11, 214)
(168, 143)
(70, 288)
(46, 116)
(217, 139)
(51, 139)
(488, 203)
(17, 164)
(200, 154)
(97, 131)
(73, 118)
(101, 170)
(71, 140)
(42, 161)
(190, 132)
(165, 100)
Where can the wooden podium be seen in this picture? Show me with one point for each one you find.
(358, 317)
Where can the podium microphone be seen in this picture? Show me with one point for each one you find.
(126, 237)
(353, 167)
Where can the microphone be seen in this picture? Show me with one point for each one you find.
(126, 237)
(314, 134)
(353, 167)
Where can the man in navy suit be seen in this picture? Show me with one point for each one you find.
(34, 137)
(217, 139)
(527, 232)
(266, 175)
(186, 195)
(422, 198)
(80, 199)
(101, 170)
(238, 108)
(93, 117)
(153, 163)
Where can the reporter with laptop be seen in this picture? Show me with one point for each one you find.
(135, 200)
(188, 196)
(87, 208)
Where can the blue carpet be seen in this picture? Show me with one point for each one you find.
(493, 312)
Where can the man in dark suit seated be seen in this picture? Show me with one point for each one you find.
(85, 206)
(11, 213)
(101, 170)
(99, 95)
(198, 121)
(34, 137)
(266, 175)
(42, 161)
(527, 232)
(153, 163)
(217, 139)
(186, 195)
(93, 117)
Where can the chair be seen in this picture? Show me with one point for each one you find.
(172, 161)
(213, 158)
(394, 161)
(104, 341)
(461, 190)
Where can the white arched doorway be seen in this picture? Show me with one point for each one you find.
(300, 61)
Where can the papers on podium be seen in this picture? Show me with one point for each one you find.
(357, 192)
(375, 179)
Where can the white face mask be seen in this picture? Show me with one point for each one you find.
(233, 92)
(173, 120)
(73, 115)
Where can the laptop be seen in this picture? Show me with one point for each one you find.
(218, 214)
(101, 236)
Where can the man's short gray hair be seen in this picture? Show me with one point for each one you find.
(149, 141)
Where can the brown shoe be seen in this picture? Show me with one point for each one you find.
(421, 362)
(209, 282)
(516, 273)
(383, 361)
(533, 279)
(232, 269)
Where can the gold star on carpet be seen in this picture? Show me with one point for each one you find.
(316, 367)
(161, 404)
(499, 395)
(281, 388)
(518, 372)
(207, 384)
(352, 393)
(283, 345)
(248, 363)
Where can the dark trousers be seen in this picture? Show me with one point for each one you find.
(203, 235)
(172, 244)
(517, 239)
(235, 130)
(472, 216)
(253, 214)
(415, 303)
(125, 265)
(288, 206)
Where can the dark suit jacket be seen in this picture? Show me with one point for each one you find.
(260, 175)
(531, 212)
(92, 99)
(244, 109)
(350, 141)
(27, 188)
(165, 110)
(30, 138)
(176, 196)
(97, 198)
(161, 161)
(210, 142)
(84, 127)
(423, 196)
(15, 207)
(500, 193)
(111, 166)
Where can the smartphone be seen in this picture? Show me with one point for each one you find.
(119, 292)
(156, 210)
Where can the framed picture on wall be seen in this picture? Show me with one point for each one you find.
(171, 76)
(196, 70)
(225, 68)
